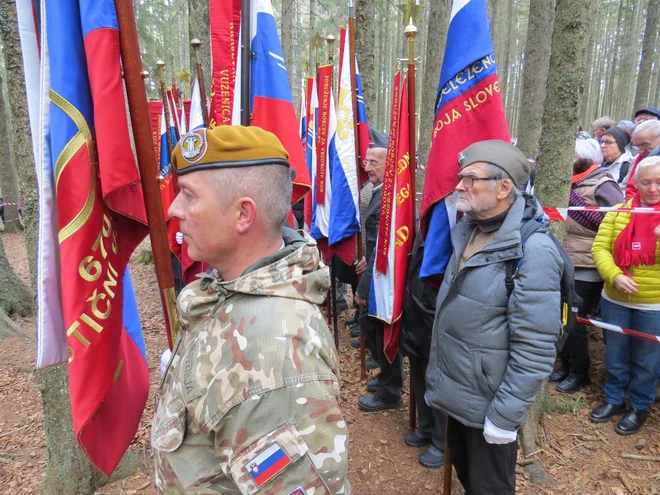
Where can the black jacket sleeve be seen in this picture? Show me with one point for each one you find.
(371, 228)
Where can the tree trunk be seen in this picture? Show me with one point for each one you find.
(312, 20)
(436, 33)
(72, 473)
(588, 72)
(198, 27)
(365, 40)
(8, 180)
(557, 143)
(502, 27)
(648, 49)
(20, 126)
(290, 47)
(15, 295)
(535, 75)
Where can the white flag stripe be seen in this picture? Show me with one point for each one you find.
(51, 336)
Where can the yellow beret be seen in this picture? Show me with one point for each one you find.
(227, 146)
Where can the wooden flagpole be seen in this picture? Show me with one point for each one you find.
(410, 32)
(137, 102)
(330, 40)
(358, 161)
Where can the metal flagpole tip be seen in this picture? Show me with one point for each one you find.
(410, 31)
(317, 41)
(195, 42)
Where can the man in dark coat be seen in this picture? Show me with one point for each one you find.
(387, 388)
(418, 315)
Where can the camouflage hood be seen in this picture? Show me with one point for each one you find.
(294, 272)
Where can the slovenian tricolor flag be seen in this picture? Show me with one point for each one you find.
(87, 170)
(196, 120)
(396, 227)
(267, 464)
(468, 109)
(335, 209)
(271, 104)
(362, 136)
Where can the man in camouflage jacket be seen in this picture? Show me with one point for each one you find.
(249, 401)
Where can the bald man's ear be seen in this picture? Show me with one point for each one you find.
(246, 214)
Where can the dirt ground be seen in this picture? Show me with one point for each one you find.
(581, 457)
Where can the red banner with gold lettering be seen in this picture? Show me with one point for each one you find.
(386, 209)
(404, 225)
(324, 94)
(225, 24)
(101, 218)
(155, 109)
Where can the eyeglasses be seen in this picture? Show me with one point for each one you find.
(468, 180)
(607, 143)
(372, 163)
(648, 144)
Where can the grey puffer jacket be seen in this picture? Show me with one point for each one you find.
(489, 355)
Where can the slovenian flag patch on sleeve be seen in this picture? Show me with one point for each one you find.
(267, 464)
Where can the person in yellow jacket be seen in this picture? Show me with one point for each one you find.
(627, 255)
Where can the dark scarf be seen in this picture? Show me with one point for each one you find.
(493, 223)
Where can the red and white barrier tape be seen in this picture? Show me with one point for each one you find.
(618, 329)
(560, 214)
(8, 204)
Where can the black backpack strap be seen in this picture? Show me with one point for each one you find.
(512, 266)
(625, 168)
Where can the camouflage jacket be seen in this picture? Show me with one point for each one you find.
(249, 401)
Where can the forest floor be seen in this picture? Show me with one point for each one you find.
(581, 457)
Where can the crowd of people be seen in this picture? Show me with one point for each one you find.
(250, 394)
(477, 351)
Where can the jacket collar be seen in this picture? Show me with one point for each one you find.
(506, 243)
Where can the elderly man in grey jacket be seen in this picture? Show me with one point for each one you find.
(490, 351)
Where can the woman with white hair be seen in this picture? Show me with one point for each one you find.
(627, 254)
(592, 186)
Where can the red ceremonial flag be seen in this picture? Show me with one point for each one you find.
(101, 219)
(186, 110)
(398, 212)
(225, 21)
(324, 92)
(386, 209)
(468, 109)
(175, 93)
(155, 111)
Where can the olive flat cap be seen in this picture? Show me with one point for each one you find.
(228, 146)
(499, 153)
